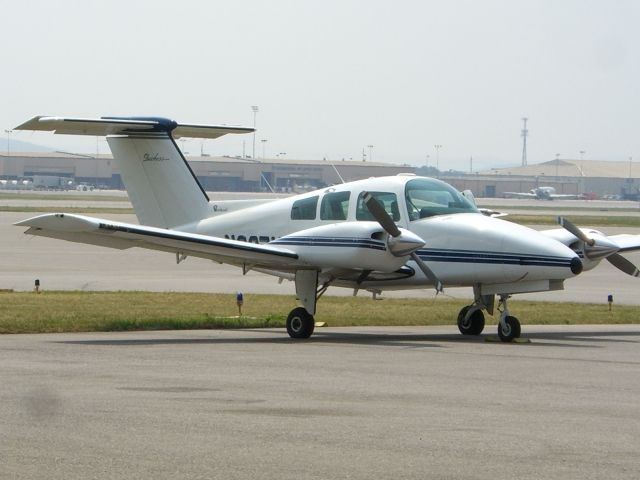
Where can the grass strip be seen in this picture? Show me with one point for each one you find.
(553, 208)
(51, 311)
(581, 220)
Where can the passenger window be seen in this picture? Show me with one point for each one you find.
(334, 206)
(304, 209)
(388, 200)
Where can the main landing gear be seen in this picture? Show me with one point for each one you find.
(300, 323)
(471, 320)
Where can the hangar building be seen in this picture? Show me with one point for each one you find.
(214, 173)
(247, 174)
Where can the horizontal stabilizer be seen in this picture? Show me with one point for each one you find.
(126, 126)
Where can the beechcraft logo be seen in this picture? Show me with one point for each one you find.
(154, 157)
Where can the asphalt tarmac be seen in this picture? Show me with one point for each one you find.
(359, 403)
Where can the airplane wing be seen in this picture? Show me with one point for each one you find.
(627, 242)
(562, 196)
(519, 195)
(107, 233)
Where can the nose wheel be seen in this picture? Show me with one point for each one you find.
(508, 326)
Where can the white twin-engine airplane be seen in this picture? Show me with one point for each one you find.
(377, 234)
(542, 193)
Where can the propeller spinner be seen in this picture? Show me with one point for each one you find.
(400, 242)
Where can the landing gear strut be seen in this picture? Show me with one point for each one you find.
(508, 326)
(471, 320)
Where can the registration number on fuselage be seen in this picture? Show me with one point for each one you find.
(250, 238)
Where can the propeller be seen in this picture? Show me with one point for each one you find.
(623, 264)
(567, 225)
(601, 247)
(400, 243)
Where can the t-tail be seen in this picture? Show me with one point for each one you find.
(162, 187)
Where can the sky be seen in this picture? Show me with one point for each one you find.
(334, 76)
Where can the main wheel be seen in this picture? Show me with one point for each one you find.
(471, 324)
(511, 329)
(300, 323)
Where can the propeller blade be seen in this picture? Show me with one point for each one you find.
(381, 215)
(567, 225)
(428, 272)
(623, 264)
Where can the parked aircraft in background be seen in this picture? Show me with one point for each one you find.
(542, 193)
(376, 234)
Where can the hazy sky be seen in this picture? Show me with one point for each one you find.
(331, 77)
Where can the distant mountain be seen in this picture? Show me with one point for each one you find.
(20, 146)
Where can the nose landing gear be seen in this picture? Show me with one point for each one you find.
(471, 317)
(508, 326)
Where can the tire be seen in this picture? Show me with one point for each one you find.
(300, 323)
(511, 331)
(472, 325)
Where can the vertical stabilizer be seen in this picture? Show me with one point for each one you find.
(161, 185)
(162, 188)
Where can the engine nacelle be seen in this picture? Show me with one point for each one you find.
(357, 245)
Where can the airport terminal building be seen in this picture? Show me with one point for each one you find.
(574, 177)
(214, 173)
(595, 177)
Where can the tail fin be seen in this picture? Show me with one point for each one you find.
(161, 185)
(162, 188)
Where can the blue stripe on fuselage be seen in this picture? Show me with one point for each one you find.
(434, 254)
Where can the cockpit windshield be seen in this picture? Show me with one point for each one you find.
(427, 197)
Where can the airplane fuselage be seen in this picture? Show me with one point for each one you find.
(463, 246)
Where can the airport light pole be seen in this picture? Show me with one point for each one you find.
(437, 147)
(254, 108)
(428, 160)
(8, 132)
(557, 163)
(264, 144)
(370, 152)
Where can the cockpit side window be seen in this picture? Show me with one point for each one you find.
(304, 209)
(334, 206)
(427, 197)
(388, 200)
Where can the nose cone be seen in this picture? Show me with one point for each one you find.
(491, 250)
